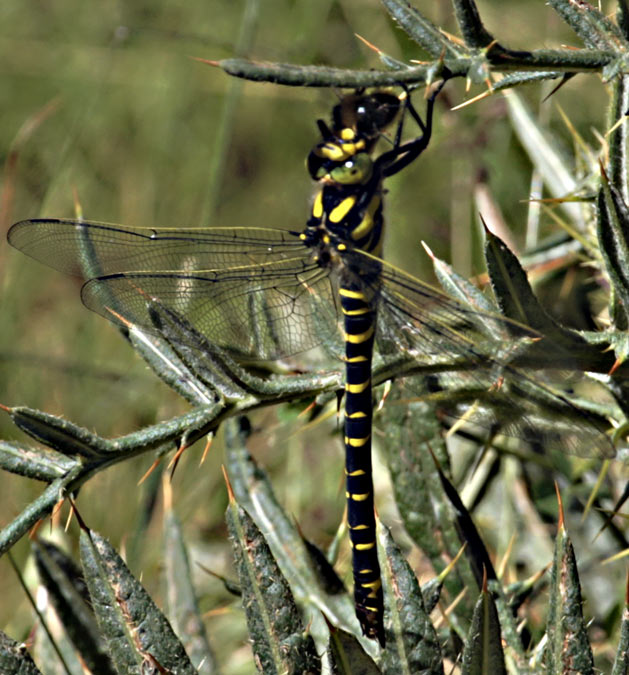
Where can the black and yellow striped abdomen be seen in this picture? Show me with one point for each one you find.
(359, 323)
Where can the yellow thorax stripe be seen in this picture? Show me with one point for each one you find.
(317, 207)
(339, 212)
(366, 224)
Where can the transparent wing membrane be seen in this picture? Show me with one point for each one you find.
(259, 315)
(260, 294)
(78, 247)
(253, 291)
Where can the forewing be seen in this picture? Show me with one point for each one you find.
(253, 291)
(90, 249)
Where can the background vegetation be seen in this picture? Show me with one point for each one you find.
(101, 103)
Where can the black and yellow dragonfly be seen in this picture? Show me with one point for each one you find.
(264, 294)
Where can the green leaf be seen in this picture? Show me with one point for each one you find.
(326, 575)
(14, 658)
(431, 592)
(66, 588)
(512, 289)
(348, 656)
(483, 650)
(509, 628)
(621, 664)
(38, 463)
(56, 432)
(279, 641)
(518, 302)
(166, 363)
(468, 294)
(423, 31)
(320, 76)
(523, 77)
(459, 287)
(613, 236)
(37, 509)
(137, 633)
(617, 139)
(412, 644)
(472, 29)
(593, 27)
(475, 549)
(424, 507)
(183, 608)
(568, 648)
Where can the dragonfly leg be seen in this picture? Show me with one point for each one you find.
(403, 154)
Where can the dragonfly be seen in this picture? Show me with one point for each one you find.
(263, 294)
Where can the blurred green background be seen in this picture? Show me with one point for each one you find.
(102, 101)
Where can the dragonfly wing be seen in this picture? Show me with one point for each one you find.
(470, 357)
(91, 249)
(261, 312)
(252, 291)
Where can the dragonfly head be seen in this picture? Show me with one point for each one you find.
(367, 113)
(353, 169)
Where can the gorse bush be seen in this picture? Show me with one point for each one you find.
(499, 412)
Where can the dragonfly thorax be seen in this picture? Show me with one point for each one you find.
(349, 214)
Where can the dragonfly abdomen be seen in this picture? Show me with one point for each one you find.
(359, 325)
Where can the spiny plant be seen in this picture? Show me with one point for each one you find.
(465, 500)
